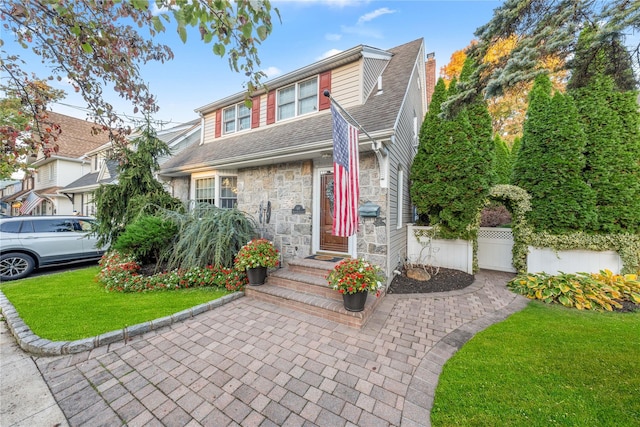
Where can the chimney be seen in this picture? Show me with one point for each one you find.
(430, 68)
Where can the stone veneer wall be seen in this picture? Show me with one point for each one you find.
(289, 184)
(372, 234)
(285, 185)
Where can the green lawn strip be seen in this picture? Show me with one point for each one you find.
(72, 305)
(546, 365)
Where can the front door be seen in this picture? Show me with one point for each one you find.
(329, 242)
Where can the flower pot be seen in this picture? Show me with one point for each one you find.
(355, 302)
(257, 275)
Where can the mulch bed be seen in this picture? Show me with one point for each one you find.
(446, 280)
(451, 280)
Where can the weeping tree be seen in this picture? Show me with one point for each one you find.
(551, 161)
(207, 235)
(136, 190)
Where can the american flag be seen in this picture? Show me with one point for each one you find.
(346, 176)
(30, 203)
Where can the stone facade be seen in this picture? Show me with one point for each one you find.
(372, 236)
(288, 185)
(285, 186)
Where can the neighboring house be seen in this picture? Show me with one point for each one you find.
(105, 171)
(10, 191)
(279, 152)
(66, 165)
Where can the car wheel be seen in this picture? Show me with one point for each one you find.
(15, 265)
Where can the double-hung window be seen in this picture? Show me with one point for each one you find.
(298, 99)
(236, 118)
(225, 197)
(206, 190)
(228, 191)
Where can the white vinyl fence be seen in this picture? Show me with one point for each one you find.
(495, 247)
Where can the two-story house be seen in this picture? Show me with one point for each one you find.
(104, 171)
(64, 166)
(274, 160)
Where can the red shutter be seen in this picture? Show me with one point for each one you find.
(325, 83)
(255, 112)
(218, 123)
(271, 108)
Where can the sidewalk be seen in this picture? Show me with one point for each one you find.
(25, 399)
(251, 363)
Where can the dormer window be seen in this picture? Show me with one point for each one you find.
(298, 99)
(236, 118)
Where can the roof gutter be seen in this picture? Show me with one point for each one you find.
(275, 156)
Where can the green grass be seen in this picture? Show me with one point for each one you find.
(72, 305)
(546, 365)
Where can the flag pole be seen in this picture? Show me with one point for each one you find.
(378, 148)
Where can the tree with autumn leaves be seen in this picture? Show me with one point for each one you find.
(99, 44)
(580, 156)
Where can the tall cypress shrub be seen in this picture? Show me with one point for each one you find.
(503, 163)
(452, 172)
(550, 163)
(423, 168)
(612, 122)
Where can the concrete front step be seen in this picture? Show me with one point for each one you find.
(302, 286)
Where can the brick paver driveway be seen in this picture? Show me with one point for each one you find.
(250, 363)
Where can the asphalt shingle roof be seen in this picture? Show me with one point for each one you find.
(378, 113)
(76, 138)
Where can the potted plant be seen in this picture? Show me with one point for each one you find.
(254, 258)
(355, 278)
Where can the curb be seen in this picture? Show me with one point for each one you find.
(32, 343)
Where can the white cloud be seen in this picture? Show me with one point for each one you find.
(156, 11)
(329, 53)
(332, 37)
(272, 72)
(373, 15)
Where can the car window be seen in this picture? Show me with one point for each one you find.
(86, 225)
(10, 227)
(52, 225)
(27, 227)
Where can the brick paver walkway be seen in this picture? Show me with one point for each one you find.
(250, 363)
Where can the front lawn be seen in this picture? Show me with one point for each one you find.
(546, 365)
(71, 305)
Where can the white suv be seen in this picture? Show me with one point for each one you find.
(29, 242)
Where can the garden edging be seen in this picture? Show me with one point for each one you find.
(33, 344)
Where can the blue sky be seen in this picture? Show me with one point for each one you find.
(309, 31)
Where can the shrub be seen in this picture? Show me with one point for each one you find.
(146, 238)
(119, 273)
(597, 291)
(550, 163)
(208, 235)
(495, 215)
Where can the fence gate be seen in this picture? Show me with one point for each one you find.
(494, 249)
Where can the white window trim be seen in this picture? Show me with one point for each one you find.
(236, 119)
(217, 183)
(296, 99)
(400, 196)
